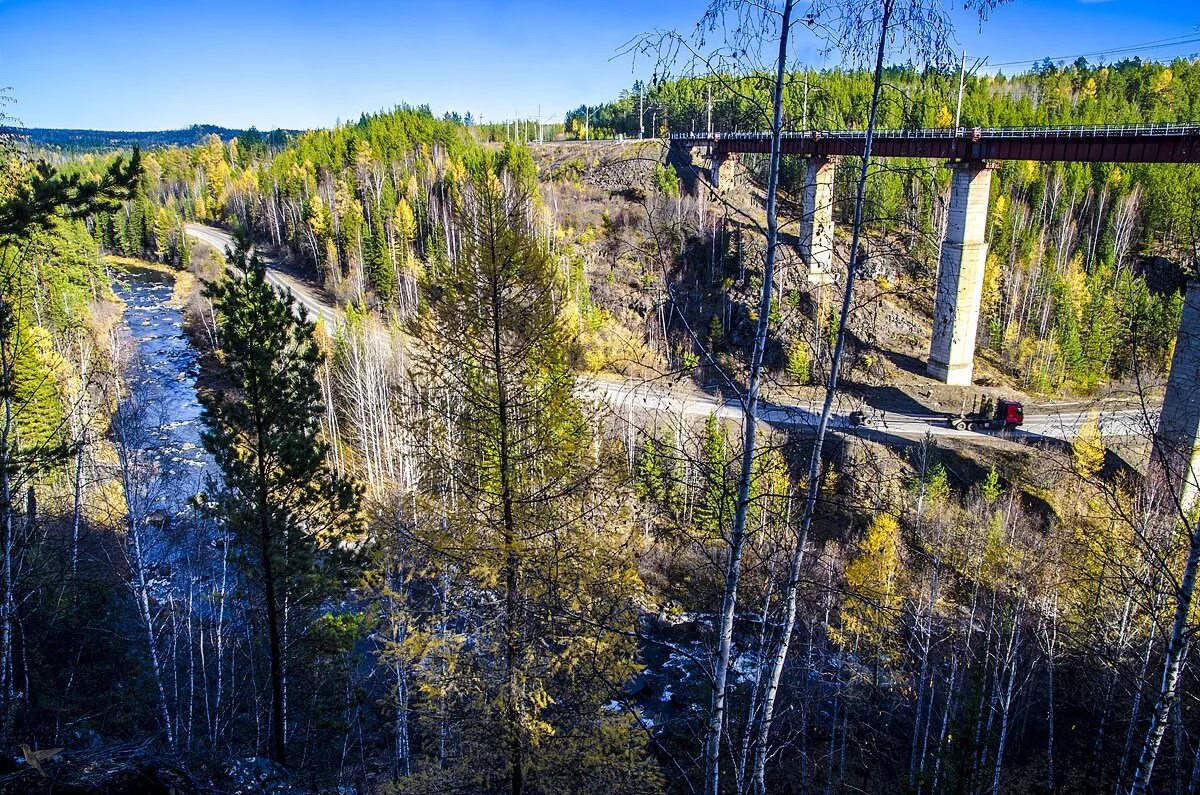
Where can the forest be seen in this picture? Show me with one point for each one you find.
(426, 558)
(70, 142)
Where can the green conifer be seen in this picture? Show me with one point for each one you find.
(290, 516)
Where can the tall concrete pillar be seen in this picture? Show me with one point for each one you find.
(722, 168)
(1176, 450)
(960, 275)
(816, 224)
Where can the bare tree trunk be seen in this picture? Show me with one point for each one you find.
(403, 756)
(8, 542)
(134, 522)
(833, 727)
(191, 663)
(737, 534)
(814, 466)
(1194, 780)
(1176, 646)
(220, 647)
(756, 691)
(80, 423)
(1014, 646)
(1136, 709)
(266, 553)
(1122, 638)
(1051, 644)
(983, 727)
(951, 690)
(777, 663)
(919, 738)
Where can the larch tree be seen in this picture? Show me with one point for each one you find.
(529, 521)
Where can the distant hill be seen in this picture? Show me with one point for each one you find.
(83, 140)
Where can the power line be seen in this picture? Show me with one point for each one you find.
(1175, 41)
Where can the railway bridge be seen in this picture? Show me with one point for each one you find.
(972, 154)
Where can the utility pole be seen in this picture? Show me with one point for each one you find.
(962, 76)
(654, 122)
(709, 92)
(641, 110)
(539, 122)
(804, 117)
(587, 118)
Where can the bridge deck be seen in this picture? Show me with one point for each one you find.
(1138, 143)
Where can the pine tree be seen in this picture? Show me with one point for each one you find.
(378, 263)
(649, 475)
(290, 516)
(715, 503)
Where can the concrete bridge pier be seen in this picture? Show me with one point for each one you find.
(1176, 451)
(960, 274)
(722, 167)
(816, 224)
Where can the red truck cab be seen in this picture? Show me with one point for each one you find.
(1010, 413)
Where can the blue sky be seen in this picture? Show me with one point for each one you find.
(126, 64)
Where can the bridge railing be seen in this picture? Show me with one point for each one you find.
(968, 133)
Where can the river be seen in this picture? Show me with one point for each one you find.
(161, 367)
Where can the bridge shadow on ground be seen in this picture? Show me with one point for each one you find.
(891, 399)
(903, 361)
(692, 176)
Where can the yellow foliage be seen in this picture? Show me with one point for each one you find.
(944, 117)
(1089, 89)
(873, 583)
(999, 208)
(1163, 81)
(588, 235)
(186, 286)
(1087, 451)
(317, 216)
(1075, 281)
(1028, 170)
(608, 345)
(404, 222)
(43, 342)
(991, 284)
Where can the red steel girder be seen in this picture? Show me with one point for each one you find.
(1130, 144)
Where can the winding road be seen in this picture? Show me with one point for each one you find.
(677, 399)
(1062, 424)
(304, 294)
